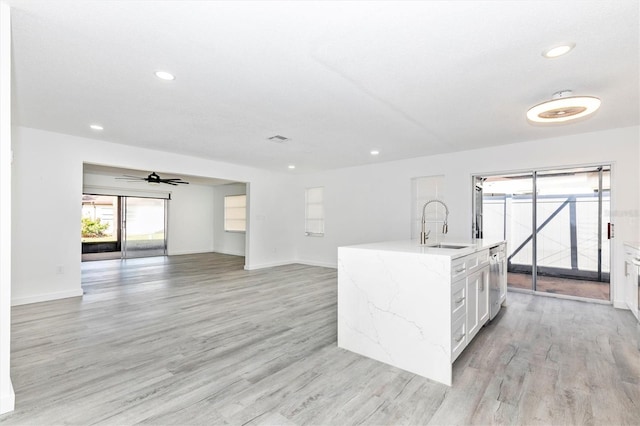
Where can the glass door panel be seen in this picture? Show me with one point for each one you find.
(572, 249)
(507, 209)
(144, 224)
(100, 227)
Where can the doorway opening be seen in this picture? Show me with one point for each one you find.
(122, 227)
(556, 224)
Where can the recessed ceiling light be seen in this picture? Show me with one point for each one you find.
(563, 107)
(96, 127)
(163, 75)
(291, 166)
(559, 50)
(375, 152)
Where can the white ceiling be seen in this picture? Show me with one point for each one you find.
(338, 78)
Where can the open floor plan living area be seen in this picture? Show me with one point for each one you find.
(324, 213)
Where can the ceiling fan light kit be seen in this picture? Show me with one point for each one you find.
(563, 107)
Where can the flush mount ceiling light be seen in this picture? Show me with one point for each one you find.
(96, 127)
(375, 152)
(563, 107)
(163, 75)
(291, 166)
(558, 50)
(278, 138)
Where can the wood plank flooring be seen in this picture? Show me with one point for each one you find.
(198, 340)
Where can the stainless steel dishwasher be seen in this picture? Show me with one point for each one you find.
(497, 279)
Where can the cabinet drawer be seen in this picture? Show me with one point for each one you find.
(483, 258)
(458, 299)
(458, 337)
(458, 268)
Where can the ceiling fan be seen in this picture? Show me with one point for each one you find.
(153, 178)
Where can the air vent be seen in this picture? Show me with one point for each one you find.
(278, 138)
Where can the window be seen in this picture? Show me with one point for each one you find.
(314, 212)
(235, 213)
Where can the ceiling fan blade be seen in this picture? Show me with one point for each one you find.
(153, 178)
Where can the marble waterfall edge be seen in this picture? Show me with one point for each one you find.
(389, 303)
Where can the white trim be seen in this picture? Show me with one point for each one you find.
(230, 253)
(8, 401)
(314, 263)
(559, 296)
(290, 262)
(620, 304)
(184, 252)
(7, 395)
(267, 265)
(46, 297)
(136, 193)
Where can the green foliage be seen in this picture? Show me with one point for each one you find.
(93, 228)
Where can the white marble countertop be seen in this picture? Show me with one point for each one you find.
(633, 244)
(413, 246)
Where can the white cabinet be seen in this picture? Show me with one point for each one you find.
(483, 296)
(469, 299)
(411, 306)
(473, 324)
(477, 301)
(631, 275)
(458, 317)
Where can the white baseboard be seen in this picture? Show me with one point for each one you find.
(620, 304)
(291, 262)
(231, 253)
(46, 297)
(314, 263)
(8, 401)
(267, 265)
(182, 252)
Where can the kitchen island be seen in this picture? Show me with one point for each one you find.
(411, 306)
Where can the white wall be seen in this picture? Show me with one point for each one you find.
(191, 211)
(223, 241)
(47, 190)
(7, 396)
(373, 202)
(190, 227)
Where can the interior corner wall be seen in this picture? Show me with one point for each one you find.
(223, 241)
(189, 228)
(47, 194)
(7, 395)
(373, 203)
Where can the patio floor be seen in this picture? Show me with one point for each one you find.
(580, 288)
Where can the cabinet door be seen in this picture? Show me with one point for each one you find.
(631, 283)
(483, 296)
(473, 281)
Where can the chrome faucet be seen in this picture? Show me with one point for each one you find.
(424, 236)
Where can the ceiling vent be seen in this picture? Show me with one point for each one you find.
(278, 138)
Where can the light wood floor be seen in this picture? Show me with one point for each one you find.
(197, 340)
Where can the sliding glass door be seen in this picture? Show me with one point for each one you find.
(556, 224)
(507, 214)
(144, 225)
(572, 248)
(115, 227)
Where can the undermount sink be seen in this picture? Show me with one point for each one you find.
(447, 246)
